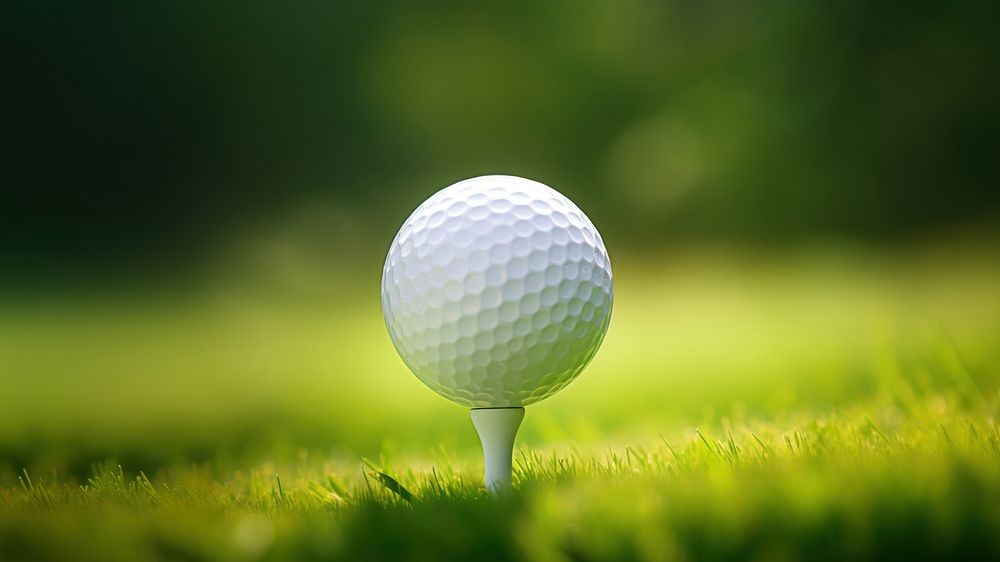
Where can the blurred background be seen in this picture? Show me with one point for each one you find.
(800, 201)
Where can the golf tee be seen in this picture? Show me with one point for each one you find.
(497, 428)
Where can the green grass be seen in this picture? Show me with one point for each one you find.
(868, 483)
(823, 404)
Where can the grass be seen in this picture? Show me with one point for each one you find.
(815, 406)
(868, 483)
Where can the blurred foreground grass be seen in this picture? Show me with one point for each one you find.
(867, 483)
(817, 403)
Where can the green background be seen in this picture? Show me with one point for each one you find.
(203, 194)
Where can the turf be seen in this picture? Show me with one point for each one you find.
(791, 409)
(869, 483)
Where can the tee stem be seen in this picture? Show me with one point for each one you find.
(497, 428)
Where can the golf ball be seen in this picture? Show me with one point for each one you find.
(497, 291)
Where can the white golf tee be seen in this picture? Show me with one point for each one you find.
(497, 428)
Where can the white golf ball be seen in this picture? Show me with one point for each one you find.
(497, 291)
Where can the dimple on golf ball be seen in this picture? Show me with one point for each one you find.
(497, 291)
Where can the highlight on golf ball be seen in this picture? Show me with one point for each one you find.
(497, 291)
